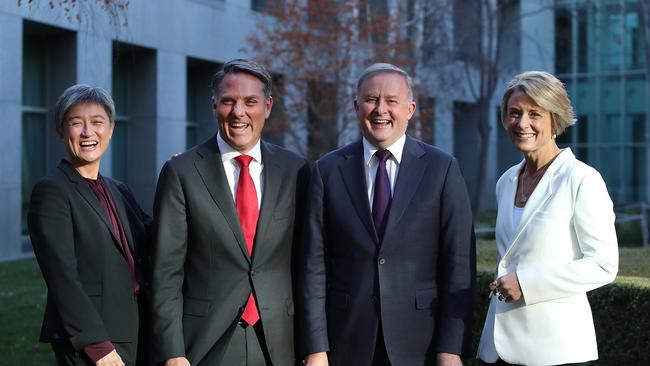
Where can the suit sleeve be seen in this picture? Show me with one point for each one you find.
(312, 273)
(595, 236)
(457, 266)
(51, 232)
(170, 248)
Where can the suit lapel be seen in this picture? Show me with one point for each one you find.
(352, 173)
(411, 170)
(121, 211)
(210, 169)
(87, 194)
(272, 176)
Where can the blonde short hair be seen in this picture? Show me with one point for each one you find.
(547, 92)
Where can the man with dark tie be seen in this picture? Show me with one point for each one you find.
(226, 216)
(387, 267)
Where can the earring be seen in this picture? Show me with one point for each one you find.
(554, 136)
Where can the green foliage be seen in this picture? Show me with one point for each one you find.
(622, 319)
(629, 233)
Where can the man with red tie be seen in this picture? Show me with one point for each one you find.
(226, 217)
(387, 269)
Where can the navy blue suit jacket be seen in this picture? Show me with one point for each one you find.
(419, 281)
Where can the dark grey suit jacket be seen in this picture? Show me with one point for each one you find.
(90, 298)
(421, 277)
(202, 272)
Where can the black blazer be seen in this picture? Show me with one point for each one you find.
(421, 276)
(202, 272)
(90, 298)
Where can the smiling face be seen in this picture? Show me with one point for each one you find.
(530, 126)
(86, 134)
(241, 109)
(384, 108)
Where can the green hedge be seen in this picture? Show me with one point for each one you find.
(621, 316)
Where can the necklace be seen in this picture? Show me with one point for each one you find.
(526, 192)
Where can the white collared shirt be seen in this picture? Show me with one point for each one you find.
(231, 167)
(392, 164)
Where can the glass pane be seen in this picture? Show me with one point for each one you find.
(635, 55)
(119, 143)
(585, 102)
(635, 174)
(612, 40)
(33, 157)
(610, 169)
(610, 108)
(635, 94)
(563, 38)
(120, 86)
(635, 128)
(33, 73)
(586, 37)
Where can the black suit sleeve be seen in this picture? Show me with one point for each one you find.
(457, 266)
(170, 248)
(312, 273)
(51, 232)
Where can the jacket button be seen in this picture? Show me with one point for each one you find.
(252, 272)
(375, 298)
(382, 260)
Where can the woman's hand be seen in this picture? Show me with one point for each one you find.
(111, 359)
(507, 288)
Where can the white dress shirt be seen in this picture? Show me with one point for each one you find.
(392, 164)
(231, 167)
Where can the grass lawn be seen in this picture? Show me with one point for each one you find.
(22, 300)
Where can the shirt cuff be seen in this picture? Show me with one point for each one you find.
(97, 351)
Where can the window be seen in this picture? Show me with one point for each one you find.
(608, 91)
(201, 124)
(266, 5)
(44, 48)
(120, 139)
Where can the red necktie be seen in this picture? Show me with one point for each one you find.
(246, 202)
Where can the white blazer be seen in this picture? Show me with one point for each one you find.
(565, 245)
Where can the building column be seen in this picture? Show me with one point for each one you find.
(94, 67)
(11, 38)
(171, 110)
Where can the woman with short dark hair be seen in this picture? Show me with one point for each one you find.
(89, 237)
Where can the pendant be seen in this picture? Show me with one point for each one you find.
(524, 198)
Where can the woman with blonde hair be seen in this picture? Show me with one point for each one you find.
(555, 237)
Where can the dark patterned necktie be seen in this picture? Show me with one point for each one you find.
(381, 199)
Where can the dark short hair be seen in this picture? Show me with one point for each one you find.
(381, 68)
(244, 66)
(82, 93)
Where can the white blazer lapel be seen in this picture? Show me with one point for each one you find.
(540, 195)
